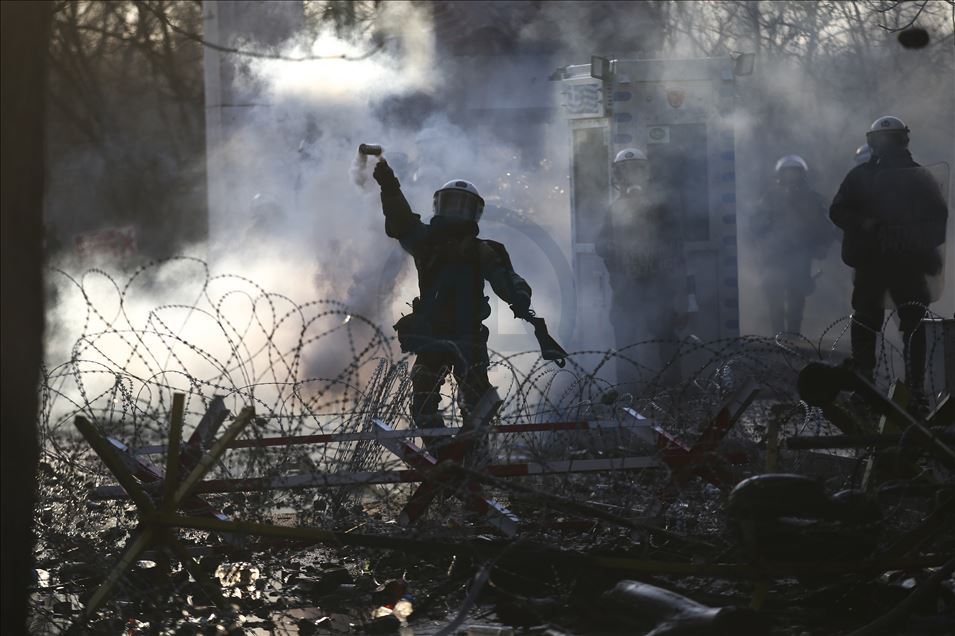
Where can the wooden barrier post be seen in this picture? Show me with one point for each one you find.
(148, 533)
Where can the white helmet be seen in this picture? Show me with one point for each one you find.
(459, 199)
(887, 131)
(630, 168)
(863, 154)
(888, 123)
(630, 154)
(792, 161)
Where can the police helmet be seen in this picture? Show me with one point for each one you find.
(630, 168)
(888, 123)
(863, 154)
(459, 199)
(630, 154)
(792, 161)
(887, 130)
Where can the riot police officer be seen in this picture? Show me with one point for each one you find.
(788, 231)
(893, 218)
(445, 327)
(641, 244)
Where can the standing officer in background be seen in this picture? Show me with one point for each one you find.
(893, 217)
(789, 230)
(641, 244)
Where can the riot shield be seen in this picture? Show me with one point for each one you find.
(942, 174)
(910, 207)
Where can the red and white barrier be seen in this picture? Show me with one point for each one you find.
(683, 459)
(378, 435)
(374, 477)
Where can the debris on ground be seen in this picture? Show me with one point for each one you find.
(750, 499)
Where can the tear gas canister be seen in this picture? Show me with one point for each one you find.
(370, 149)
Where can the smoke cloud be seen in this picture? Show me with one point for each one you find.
(304, 218)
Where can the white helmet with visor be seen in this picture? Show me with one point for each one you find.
(458, 199)
(630, 168)
(794, 162)
(886, 133)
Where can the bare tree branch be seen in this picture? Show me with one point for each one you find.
(910, 22)
(259, 54)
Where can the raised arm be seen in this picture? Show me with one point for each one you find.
(400, 222)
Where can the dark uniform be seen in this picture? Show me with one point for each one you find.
(641, 244)
(788, 231)
(445, 328)
(893, 217)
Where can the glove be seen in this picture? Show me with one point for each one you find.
(521, 304)
(385, 176)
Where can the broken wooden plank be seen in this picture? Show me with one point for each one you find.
(171, 478)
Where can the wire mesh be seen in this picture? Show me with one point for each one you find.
(256, 348)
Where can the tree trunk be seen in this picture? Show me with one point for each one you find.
(24, 41)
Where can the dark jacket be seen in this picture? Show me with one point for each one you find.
(788, 225)
(890, 211)
(452, 264)
(641, 244)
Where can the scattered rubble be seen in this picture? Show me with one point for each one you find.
(707, 508)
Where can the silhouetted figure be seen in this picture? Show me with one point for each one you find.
(641, 244)
(789, 230)
(445, 328)
(893, 217)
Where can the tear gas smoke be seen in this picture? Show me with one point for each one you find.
(326, 240)
(359, 170)
(322, 239)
